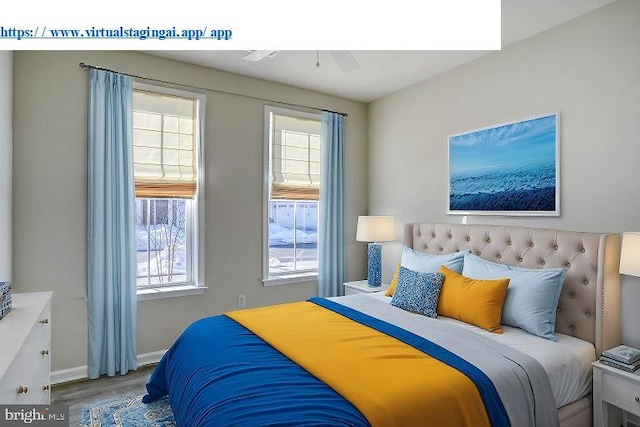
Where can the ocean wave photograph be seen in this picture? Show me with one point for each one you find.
(507, 169)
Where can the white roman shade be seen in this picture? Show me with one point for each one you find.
(164, 137)
(295, 163)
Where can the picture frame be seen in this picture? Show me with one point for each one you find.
(510, 169)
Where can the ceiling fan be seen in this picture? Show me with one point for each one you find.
(344, 58)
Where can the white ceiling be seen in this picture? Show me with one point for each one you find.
(384, 72)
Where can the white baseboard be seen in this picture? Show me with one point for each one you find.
(150, 358)
(71, 374)
(82, 372)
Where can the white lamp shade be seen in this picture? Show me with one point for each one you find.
(630, 256)
(375, 229)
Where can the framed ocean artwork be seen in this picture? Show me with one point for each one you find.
(508, 169)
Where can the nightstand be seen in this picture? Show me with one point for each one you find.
(361, 287)
(612, 386)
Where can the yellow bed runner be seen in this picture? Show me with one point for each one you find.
(390, 382)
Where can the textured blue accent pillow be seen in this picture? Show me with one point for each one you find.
(418, 292)
(425, 263)
(532, 296)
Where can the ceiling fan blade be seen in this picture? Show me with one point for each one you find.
(346, 61)
(257, 55)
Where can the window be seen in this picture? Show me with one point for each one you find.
(167, 153)
(292, 177)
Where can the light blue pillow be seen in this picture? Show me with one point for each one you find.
(532, 296)
(418, 292)
(425, 263)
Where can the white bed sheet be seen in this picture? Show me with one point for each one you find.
(567, 361)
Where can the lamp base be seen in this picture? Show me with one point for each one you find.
(374, 265)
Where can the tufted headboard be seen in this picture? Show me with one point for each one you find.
(589, 306)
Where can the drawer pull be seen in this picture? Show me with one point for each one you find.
(45, 352)
(45, 388)
(44, 321)
(637, 398)
(23, 389)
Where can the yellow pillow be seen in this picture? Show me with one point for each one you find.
(394, 282)
(478, 302)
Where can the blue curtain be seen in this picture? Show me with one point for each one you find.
(331, 227)
(111, 234)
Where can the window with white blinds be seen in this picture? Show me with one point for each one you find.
(167, 160)
(292, 190)
(295, 163)
(164, 141)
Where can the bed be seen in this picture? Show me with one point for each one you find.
(234, 369)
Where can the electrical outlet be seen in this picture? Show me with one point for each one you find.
(242, 300)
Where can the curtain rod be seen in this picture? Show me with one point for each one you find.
(87, 66)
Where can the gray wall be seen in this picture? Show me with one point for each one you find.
(50, 117)
(588, 70)
(6, 148)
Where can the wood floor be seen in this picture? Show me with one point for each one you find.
(79, 393)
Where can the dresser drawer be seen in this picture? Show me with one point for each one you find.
(8, 390)
(38, 383)
(27, 375)
(45, 398)
(40, 380)
(42, 330)
(621, 392)
(17, 375)
(29, 371)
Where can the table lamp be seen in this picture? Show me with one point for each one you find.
(630, 255)
(630, 293)
(375, 229)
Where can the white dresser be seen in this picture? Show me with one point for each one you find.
(25, 344)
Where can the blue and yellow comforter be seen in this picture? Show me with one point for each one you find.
(324, 363)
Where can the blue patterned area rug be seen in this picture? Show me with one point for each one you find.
(128, 411)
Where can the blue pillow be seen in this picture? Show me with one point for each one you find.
(532, 296)
(418, 292)
(425, 263)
